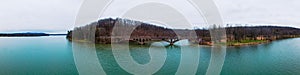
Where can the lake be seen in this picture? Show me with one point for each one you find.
(53, 55)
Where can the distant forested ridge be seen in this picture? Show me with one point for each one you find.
(102, 30)
(22, 34)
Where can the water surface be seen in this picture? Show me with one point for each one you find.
(36, 56)
(53, 56)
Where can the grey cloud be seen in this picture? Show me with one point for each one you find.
(22, 15)
(59, 15)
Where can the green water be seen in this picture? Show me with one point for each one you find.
(54, 56)
(36, 56)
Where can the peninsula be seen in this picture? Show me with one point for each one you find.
(142, 33)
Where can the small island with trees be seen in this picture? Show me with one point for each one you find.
(102, 30)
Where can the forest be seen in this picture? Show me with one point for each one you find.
(102, 30)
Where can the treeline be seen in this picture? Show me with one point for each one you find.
(101, 31)
(22, 34)
(261, 33)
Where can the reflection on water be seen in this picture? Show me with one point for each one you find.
(140, 54)
(278, 57)
(53, 55)
(271, 58)
(184, 42)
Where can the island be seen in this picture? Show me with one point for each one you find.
(101, 32)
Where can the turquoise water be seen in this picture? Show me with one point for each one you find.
(54, 56)
(36, 56)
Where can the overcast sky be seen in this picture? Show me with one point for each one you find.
(58, 16)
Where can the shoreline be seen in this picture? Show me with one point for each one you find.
(207, 45)
(240, 44)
